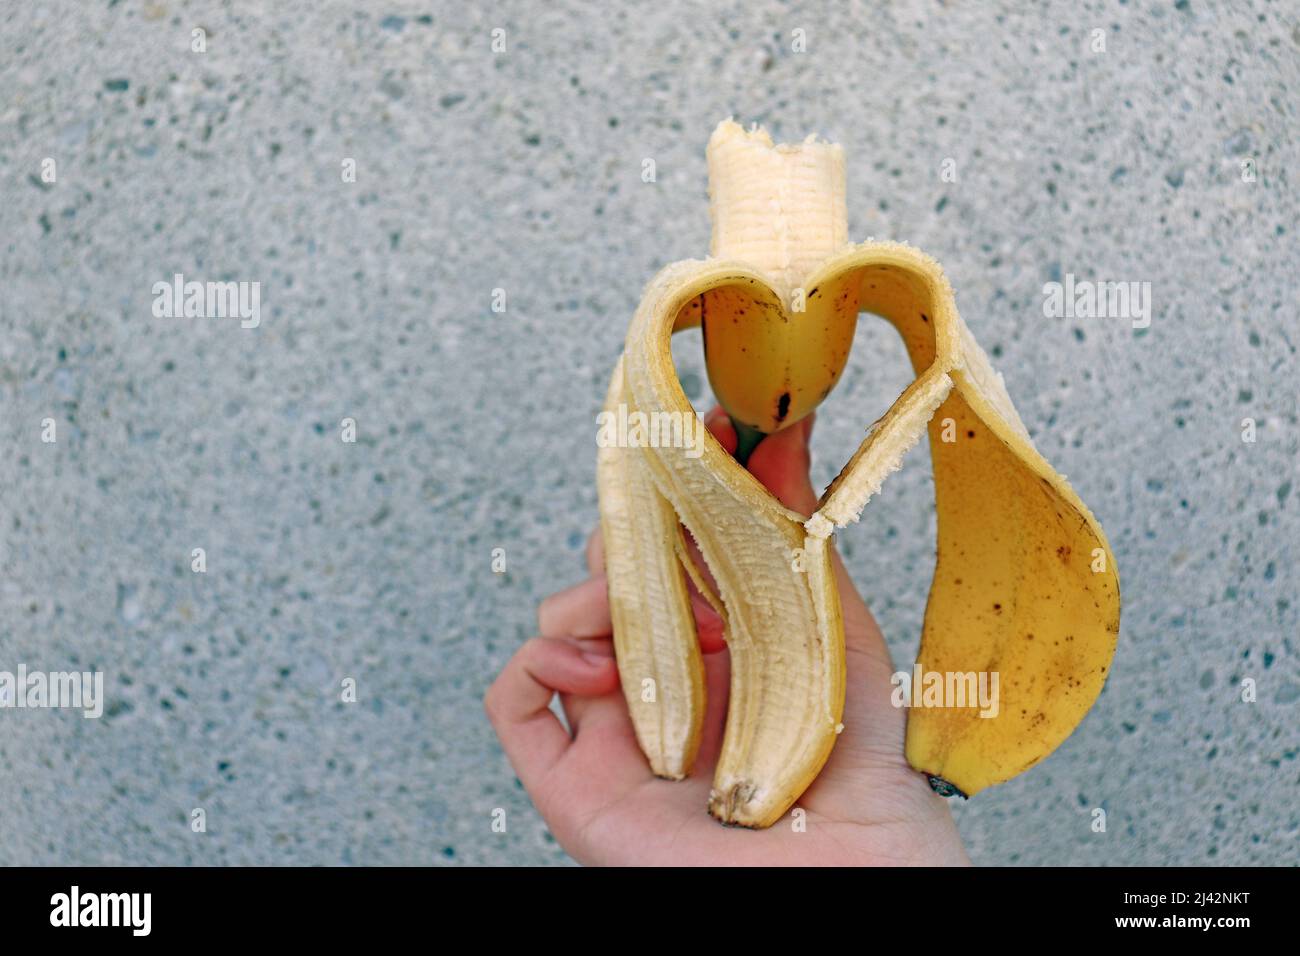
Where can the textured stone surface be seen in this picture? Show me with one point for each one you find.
(522, 171)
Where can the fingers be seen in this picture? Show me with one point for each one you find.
(518, 702)
(581, 611)
(718, 422)
(582, 713)
(596, 553)
(708, 626)
(781, 462)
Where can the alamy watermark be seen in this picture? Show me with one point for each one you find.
(75, 908)
(962, 689)
(78, 690)
(1085, 299)
(208, 300)
(624, 429)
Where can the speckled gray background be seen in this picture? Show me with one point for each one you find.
(475, 429)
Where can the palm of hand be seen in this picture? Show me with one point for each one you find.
(866, 807)
(593, 786)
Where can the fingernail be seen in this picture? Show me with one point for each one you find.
(596, 660)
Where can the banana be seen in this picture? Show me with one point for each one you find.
(783, 626)
(772, 358)
(1025, 583)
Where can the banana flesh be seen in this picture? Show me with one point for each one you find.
(1025, 582)
(773, 354)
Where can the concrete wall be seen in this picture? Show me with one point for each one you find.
(474, 171)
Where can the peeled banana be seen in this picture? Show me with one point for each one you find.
(1025, 584)
(774, 355)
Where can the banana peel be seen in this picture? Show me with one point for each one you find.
(1025, 583)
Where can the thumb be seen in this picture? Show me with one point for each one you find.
(781, 462)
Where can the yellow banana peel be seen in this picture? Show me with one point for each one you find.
(1025, 584)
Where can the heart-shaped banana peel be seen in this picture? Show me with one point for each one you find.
(1025, 585)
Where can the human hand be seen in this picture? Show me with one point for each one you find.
(595, 790)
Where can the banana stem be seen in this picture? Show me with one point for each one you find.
(747, 439)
